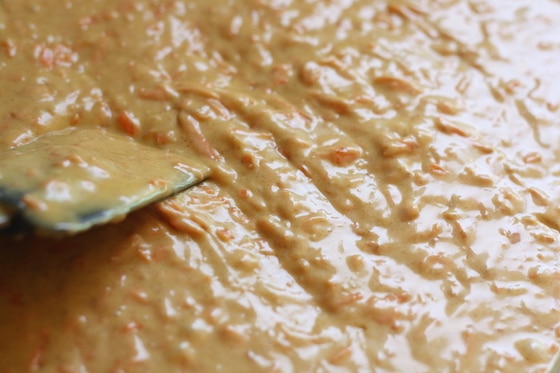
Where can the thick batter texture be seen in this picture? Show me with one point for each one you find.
(384, 192)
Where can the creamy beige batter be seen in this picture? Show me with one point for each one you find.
(384, 190)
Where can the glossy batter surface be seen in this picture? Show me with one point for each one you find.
(384, 191)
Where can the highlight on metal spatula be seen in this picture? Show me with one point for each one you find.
(67, 181)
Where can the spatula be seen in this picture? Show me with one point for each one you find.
(67, 181)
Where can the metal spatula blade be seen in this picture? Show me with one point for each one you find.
(68, 181)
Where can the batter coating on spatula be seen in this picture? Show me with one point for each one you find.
(67, 181)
